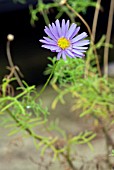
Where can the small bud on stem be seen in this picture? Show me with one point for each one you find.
(63, 2)
(10, 37)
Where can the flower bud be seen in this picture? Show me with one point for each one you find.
(10, 37)
(63, 2)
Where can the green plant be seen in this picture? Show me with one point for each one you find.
(92, 91)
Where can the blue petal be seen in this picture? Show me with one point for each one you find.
(81, 43)
(50, 47)
(55, 32)
(79, 48)
(79, 37)
(66, 27)
(48, 39)
(63, 28)
(59, 55)
(48, 32)
(58, 28)
(78, 52)
(69, 53)
(71, 31)
(48, 42)
(75, 32)
(63, 55)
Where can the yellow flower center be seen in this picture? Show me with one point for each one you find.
(63, 43)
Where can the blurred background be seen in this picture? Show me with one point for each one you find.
(26, 50)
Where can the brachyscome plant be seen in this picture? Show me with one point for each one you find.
(70, 72)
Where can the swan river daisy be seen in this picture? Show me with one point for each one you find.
(64, 40)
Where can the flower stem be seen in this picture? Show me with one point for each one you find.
(45, 16)
(81, 18)
(95, 20)
(108, 35)
(12, 65)
(91, 36)
(45, 85)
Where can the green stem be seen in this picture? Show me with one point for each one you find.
(15, 99)
(45, 16)
(28, 130)
(45, 85)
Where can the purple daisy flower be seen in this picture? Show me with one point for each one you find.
(63, 40)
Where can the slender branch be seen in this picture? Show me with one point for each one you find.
(108, 35)
(109, 141)
(45, 16)
(91, 36)
(29, 131)
(10, 75)
(11, 63)
(81, 18)
(95, 20)
(69, 161)
(40, 138)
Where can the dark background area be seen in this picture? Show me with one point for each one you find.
(26, 50)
